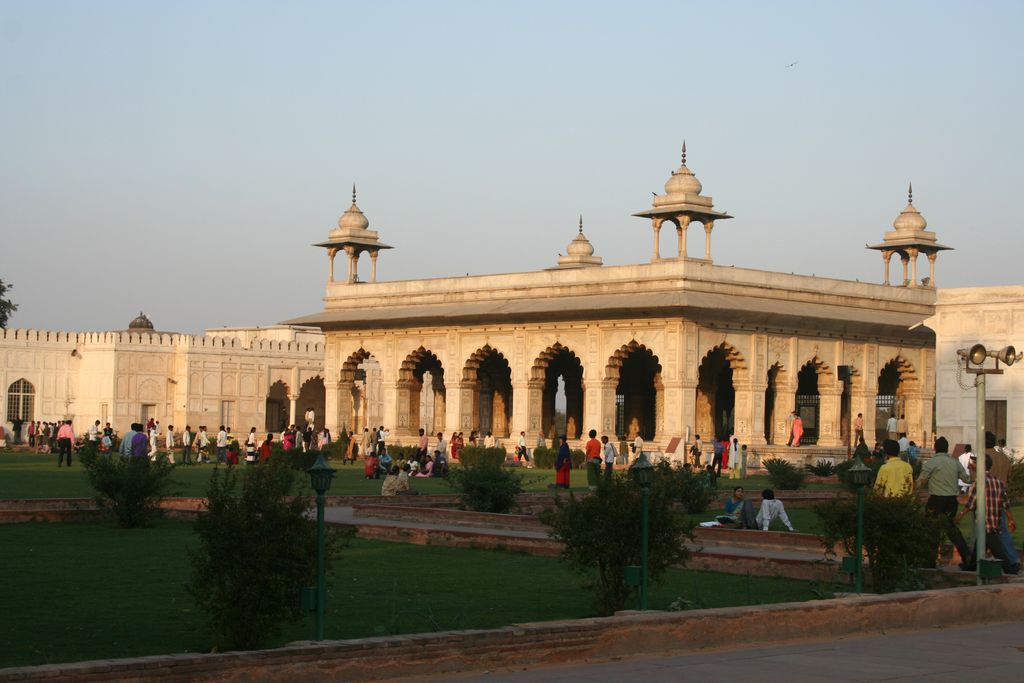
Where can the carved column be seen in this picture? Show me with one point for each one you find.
(332, 415)
(466, 400)
(656, 224)
(684, 225)
(688, 407)
(707, 239)
(531, 404)
(373, 265)
(829, 415)
(743, 413)
(404, 424)
(331, 253)
(785, 403)
(931, 268)
(905, 260)
(606, 391)
(886, 257)
(353, 267)
(912, 253)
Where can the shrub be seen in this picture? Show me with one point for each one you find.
(822, 468)
(601, 536)
(486, 487)
(403, 452)
(783, 474)
(899, 537)
(843, 469)
(690, 489)
(478, 455)
(255, 551)
(295, 458)
(131, 487)
(544, 458)
(1015, 482)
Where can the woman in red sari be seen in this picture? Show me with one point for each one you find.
(563, 465)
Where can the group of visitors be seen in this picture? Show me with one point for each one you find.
(739, 511)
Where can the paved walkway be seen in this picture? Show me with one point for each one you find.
(988, 654)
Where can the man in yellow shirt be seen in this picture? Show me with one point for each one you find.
(895, 477)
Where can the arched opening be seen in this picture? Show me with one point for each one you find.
(277, 407)
(771, 393)
(491, 379)
(361, 397)
(562, 395)
(638, 391)
(893, 385)
(21, 401)
(423, 406)
(808, 400)
(312, 396)
(716, 394)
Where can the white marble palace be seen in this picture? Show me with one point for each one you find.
(670, 348)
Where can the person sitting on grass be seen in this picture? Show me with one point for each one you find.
(770, 510)
(404, 487)
(738, 511)
(385, 461)
(425, 469)
(390, 485)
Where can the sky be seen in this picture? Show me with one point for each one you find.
(181, 158)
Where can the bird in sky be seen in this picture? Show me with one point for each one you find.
(792, 64)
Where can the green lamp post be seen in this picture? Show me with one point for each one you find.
(860, 476)
(643, 473)
(320, 476)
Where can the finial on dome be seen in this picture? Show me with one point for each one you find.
(353, 193)
(581, 223)
(684, 152)
(910, 193)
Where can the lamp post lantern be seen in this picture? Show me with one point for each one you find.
(974, 360)
(320, 476)
(860, 476)
(643, 473)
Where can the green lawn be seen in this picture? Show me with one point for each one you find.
(37, 476)
(90, 591)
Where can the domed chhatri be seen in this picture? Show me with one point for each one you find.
(580, 252)
(908, 239)
(353, 236)
(681, 205)
(141, 323)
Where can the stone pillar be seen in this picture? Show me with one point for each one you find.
(526, 410)
(291, 408)
(684, 225)
(912, 252)
(756, 430)
(707, 241)
(886, 257)
(352, 265)
(829, 414)
(781, 411)
(931, 268)
(464, 411)
(863, 402)
(373, 265)
(606, 405)
(332, 415)
(905, 260)
(656, 224)
(688, 407)
(913, 407)
(743, 412)
(403, 424)
(331, 253)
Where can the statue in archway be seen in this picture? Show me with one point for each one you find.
(310, 416)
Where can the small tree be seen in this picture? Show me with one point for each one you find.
(130, 487)
(486, 487)
(899, 537)
(784, 474)
(7, 307)
(256, 550)
(601, 533)
(690, 489)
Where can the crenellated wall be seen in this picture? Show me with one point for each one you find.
(123, 377)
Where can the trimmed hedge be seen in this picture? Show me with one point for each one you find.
(544, 458)
(471, 456)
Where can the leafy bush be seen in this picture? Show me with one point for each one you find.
(403, 452)
(843, 469)
(822, 468)
(899, 536)
(601, 533)
(486, 487)
(255, 551)
(131, 487)
(478, 455)
(692, 490)
(544, 458)
(783, 474)
(1015, 482)
(295, 458)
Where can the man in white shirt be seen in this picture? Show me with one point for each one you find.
(489, 440)
(965, 460)
(154, 434)
(770, 509)
(638, 445)
(170, 443)
(609, 454)
(890, 427)
(222, 446)
(94, 432)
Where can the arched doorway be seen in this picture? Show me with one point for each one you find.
(808, 398)
(421, 393)
(638, 391)
(561, 374)
(716, 393)
(277, 407)
(776, 411)
(490, 378)
(894, 382)
(312, 395)
(361, 402)
(21, 403)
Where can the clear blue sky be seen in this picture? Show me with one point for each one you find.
(181, 157)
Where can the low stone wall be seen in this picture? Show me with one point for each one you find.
(540, 644)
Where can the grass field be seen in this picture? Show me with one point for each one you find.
(91, 591)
